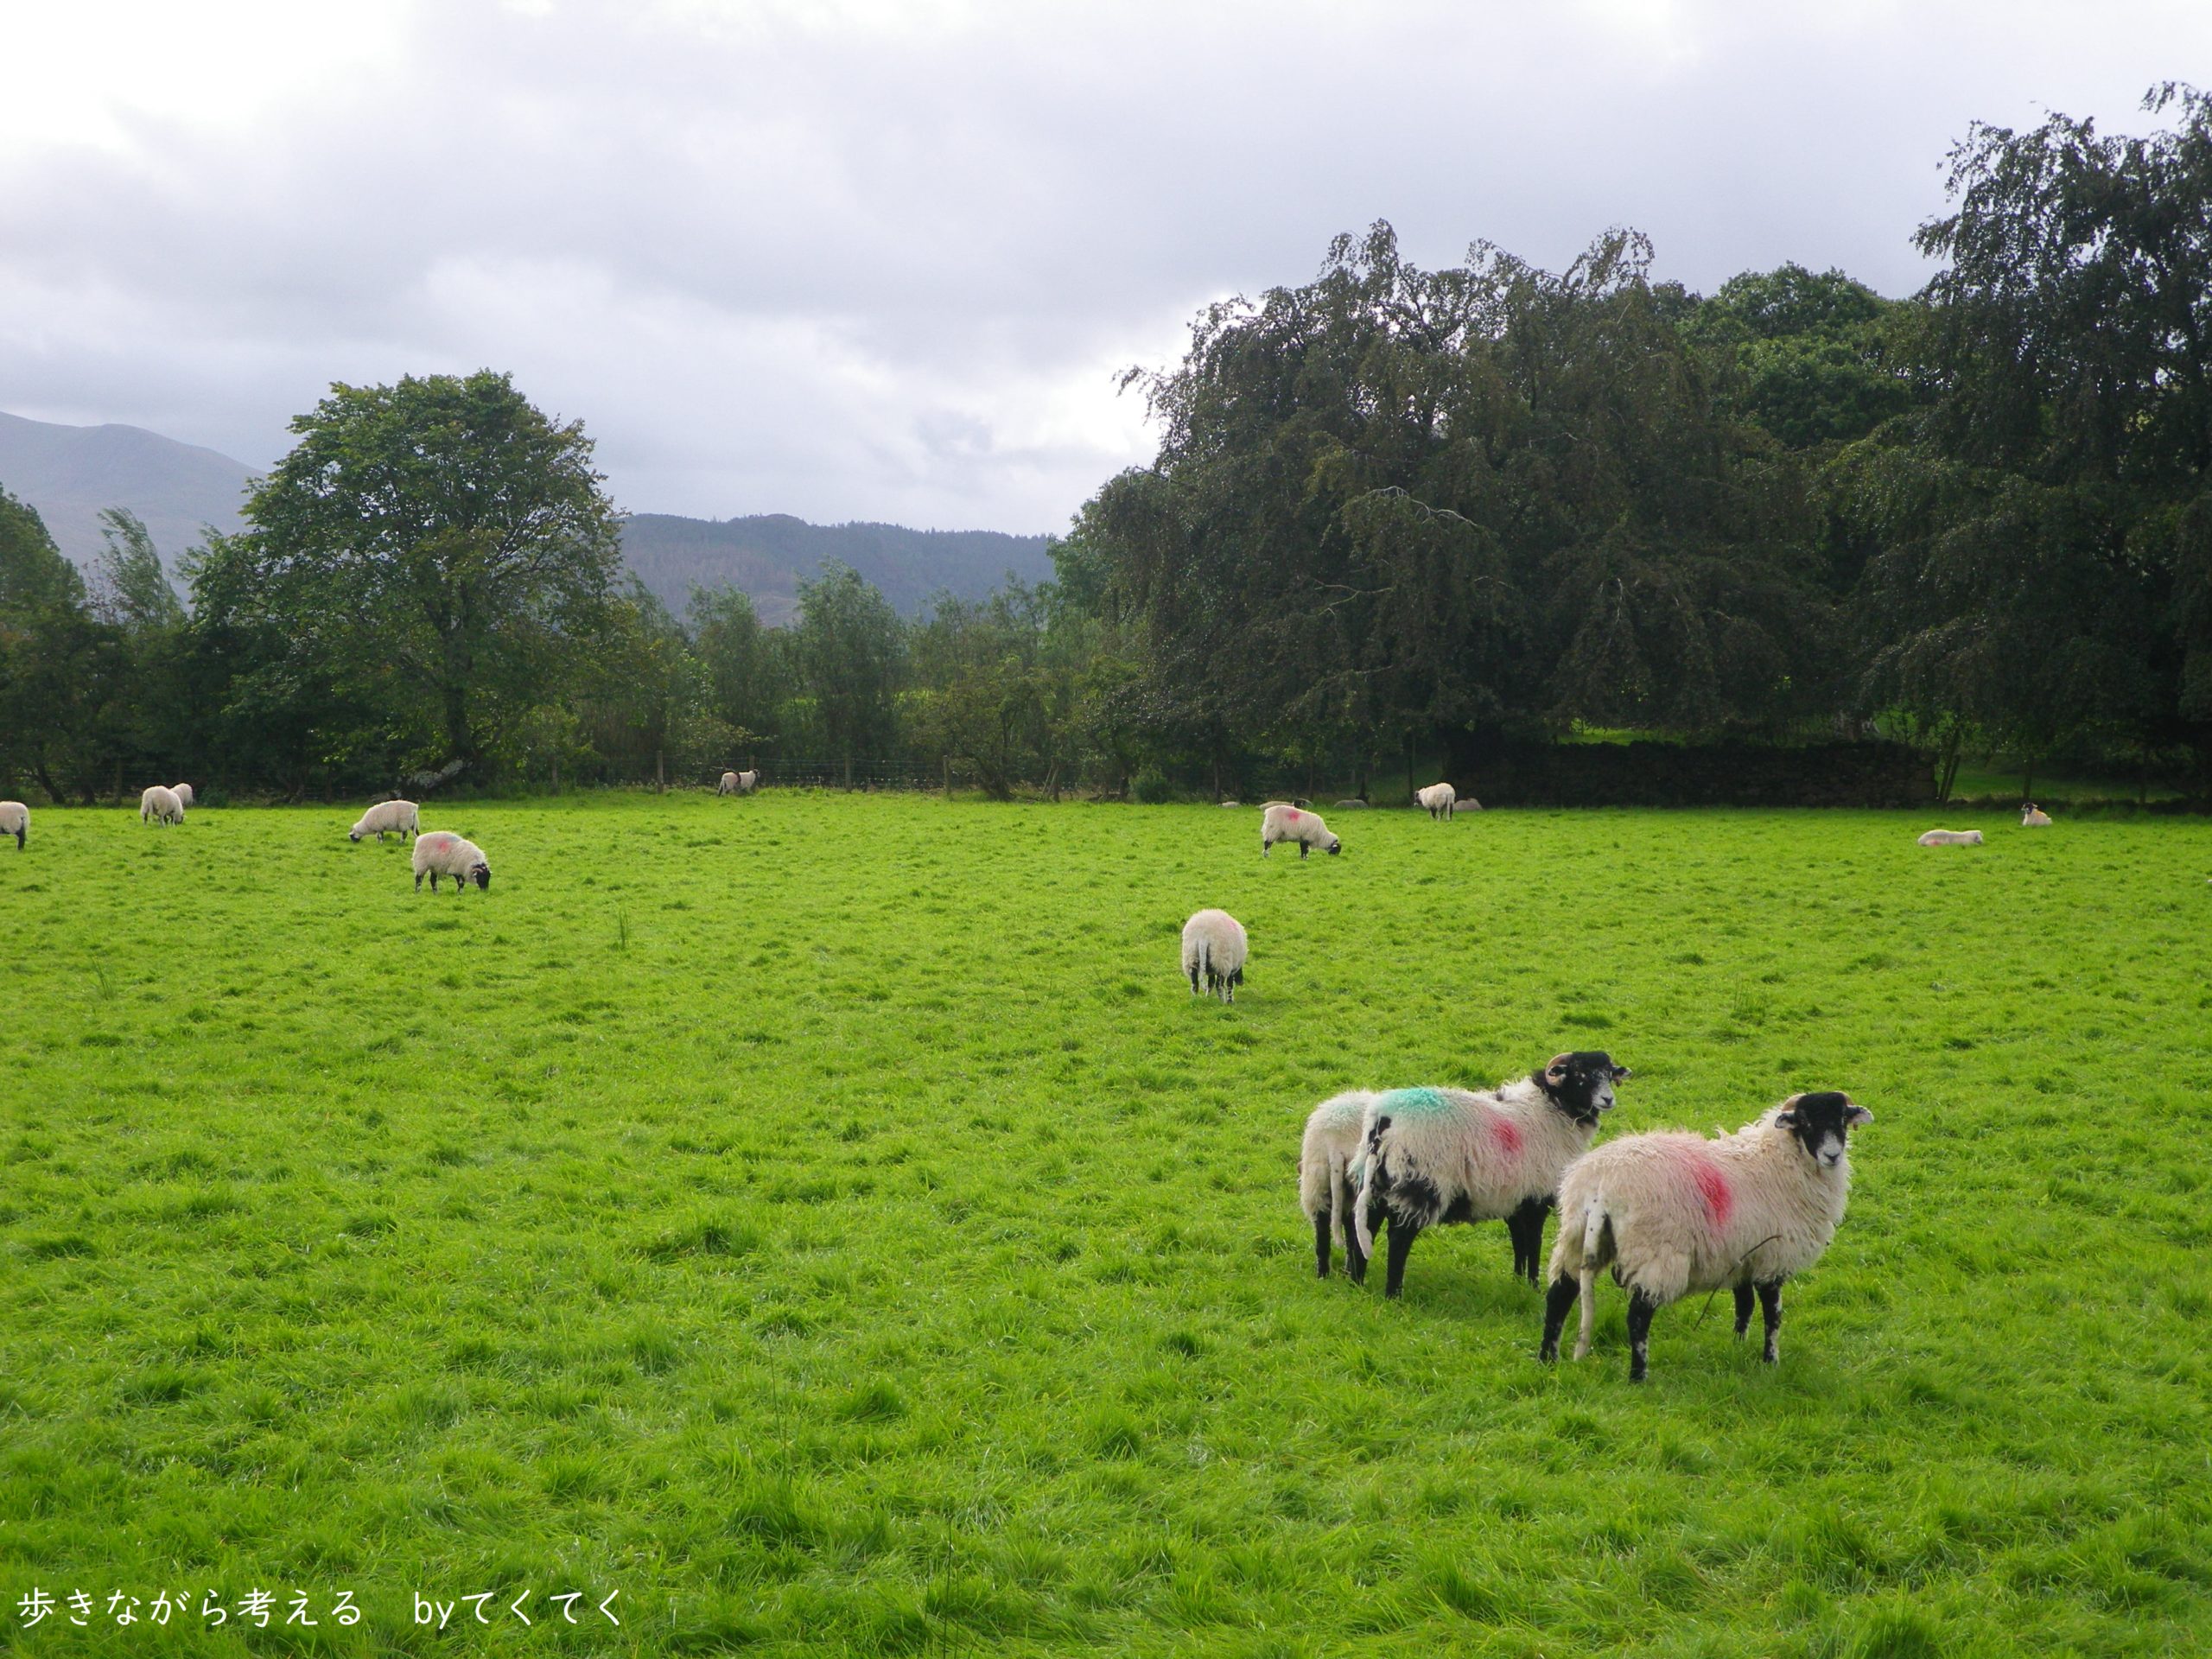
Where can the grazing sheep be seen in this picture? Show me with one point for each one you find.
(443, 853)
(159, 804)
(1327, 1162)
(738, 782)
(1354, 805)
(1214, 948)
(1431, 1155)
(1676, 1213)
(1952, 838)
(1283, 822)
(1438, 799)
(1232, 802)
(2033, 816)
(16, 820)
(387, 817)
(183, 793)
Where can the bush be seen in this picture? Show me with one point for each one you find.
(1151, 787)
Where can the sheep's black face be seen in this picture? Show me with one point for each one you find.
(1823, 1122)
(481, 875)
(1581, 1083)
(1335, 846)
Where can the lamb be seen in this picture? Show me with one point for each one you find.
(738, 782)
(1431, 1155)
(1283, 822)
(1952, 838)
(1214, 948)
(1327, 1173)
(16, 820)
(1438, 799)
(183, 792)
(1675, 1213)
(443, 853)
(387, 817)
(159, 804)
(2033, 816)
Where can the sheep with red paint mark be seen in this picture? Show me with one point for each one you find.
(1434, 1155)
(1284, 822)
(1328, 1175)
(443, 853)
(1673, 1214)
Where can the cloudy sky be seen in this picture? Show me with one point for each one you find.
(882, 258)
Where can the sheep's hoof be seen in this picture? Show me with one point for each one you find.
(1582, 1350)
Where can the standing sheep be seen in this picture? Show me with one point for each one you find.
(1328, 1160)
(1280, 822)
(1951, 838)
(159, 804)
(1439, 799)
(16, 820)
(443, 853)
(2033, 816)
(1676, 1213)
(738, 783)
(1431, 1155)
(388, 818)
(183, 792)
(1214, 948)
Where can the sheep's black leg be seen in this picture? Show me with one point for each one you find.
(418, 882)
(1303, 850)
(1526, 1226)
(1770, 1312)
(1742, 1309)
(1640, 1309)
(1402, 1234)
(1559, 1302)
(1321, 1243)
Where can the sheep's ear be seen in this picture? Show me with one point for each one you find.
(1557, 1069)
(1622, 1074)
(1854, 1115)
(1786, 1117)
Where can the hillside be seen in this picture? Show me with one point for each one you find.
(768, 553)
(70, 473)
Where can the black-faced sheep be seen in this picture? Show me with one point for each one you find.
(1214, 948)
(16, 820)
(1327, 1185)
(443, 853)
(2033, 816)
(1280, 822)
(738, 782)
(1674, 1213)
(1434, 1155)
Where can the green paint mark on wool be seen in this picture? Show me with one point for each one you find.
(1413, 1100)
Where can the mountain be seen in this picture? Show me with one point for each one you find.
(70, 473)
(768, 553)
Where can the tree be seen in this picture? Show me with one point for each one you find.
(851, 651)
(745, 672)
(63, 671)
(440, 549)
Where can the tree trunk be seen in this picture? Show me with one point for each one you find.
(1949, 769)
(556, 771)
(660, 776)
(848, 770)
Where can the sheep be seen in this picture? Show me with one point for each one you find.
(159, 804)
(1431, 1155)
(183, 792)
(1438, 799)
(1675, 1213)
(16, 820)
(738, 782)
(1354, 805)
(443, 853)
(1299, 803)
(387, 817)
(1232, 802)
(1282, 823)
(2033, 816)
(1214, 948)
(1952, 838)
(1327, 1176)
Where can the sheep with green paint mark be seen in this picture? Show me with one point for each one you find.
(1328, 1175)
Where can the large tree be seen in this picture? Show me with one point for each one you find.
(440, 549)
(851, 651)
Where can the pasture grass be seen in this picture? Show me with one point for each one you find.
(829, 1223)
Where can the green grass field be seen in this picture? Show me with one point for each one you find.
(829, 1223)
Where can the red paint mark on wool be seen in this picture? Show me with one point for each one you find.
(1713, 1188)
(1509, 1135)
(1293, 815)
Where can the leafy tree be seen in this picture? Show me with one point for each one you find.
(63, 678)
(1816, 356)
(747, 673)
(850, 648)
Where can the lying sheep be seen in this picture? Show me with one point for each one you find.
(1952, 838)
(1439, 798)
(1327, 1176)
(443, 853)
(159, 804)
(1676, 1213)
(388, 818)
(1214, 948)
(2033, 816)
(1354, 805)
(738, 782)
(1431, 1155)
(1232, 802)
(16, 820)
(1283, 822)
(183, 792)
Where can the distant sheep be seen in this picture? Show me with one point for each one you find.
(1354, 805)
(1952, 838)
(1214, 948)
(1432, 1155)
(2033, 816)
(1438, 799)
(402, 818)
(1284, 822)
(160, 805)
(16, 820)
(1232, 802)
(443, 853)
(183, 792)
(738, 782)
(1327, 1185)
(1673, 1214)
